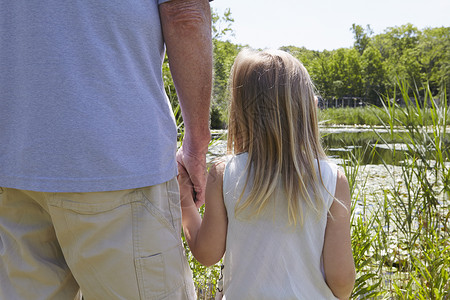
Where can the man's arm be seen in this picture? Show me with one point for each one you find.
(186, 28)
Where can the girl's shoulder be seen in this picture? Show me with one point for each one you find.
(328, 170)
(327, 165)
(223, 162)
(329, 174)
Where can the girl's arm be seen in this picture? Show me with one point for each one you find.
(206, 238)
(337, 251)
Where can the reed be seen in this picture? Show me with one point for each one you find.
(402, 245)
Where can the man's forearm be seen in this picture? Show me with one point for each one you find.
(187, 33)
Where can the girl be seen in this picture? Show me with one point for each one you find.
(277, 208)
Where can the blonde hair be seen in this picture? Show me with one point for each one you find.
(273, 117)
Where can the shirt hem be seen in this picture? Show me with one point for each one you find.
(86, 185)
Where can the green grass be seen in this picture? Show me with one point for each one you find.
(369, 115)
(348, 116)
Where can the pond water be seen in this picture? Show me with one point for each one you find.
(341, 143)
(374, 146)
(364, 145)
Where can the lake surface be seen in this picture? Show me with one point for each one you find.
(370, 146)
(375, 145)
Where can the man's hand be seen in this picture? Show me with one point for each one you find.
(193, 162)
(186, 188)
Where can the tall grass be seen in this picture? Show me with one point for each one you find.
(348, 116)
(402, 244)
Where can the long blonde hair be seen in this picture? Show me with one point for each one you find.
(273, 117)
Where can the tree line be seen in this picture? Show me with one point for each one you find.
(375, 63)
(371, 68)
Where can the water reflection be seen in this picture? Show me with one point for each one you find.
(365, 146)
(373, 147)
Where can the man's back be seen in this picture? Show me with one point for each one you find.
(83, 107)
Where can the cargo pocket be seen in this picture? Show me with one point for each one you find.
(151, 276)
(163, 275)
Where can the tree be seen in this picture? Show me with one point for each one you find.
(362, 37)
(398, 47)
(345, 71)
(373, 74)
(222, 25)
(319, 70)
(434, 58)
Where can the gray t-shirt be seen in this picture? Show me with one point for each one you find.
(82, 104)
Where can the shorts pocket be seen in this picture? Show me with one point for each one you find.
(164, 275)
(151, 276)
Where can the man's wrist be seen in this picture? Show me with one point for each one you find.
(197, 142)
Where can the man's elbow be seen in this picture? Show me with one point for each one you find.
(186, 15)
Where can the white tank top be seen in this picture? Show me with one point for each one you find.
(266, 258)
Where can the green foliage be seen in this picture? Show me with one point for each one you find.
(373, 73)
(372, 67)
(434, 58)
(168, 84)
(349, 116)
(365, 232)
(224, 55)
(362, 38)
(345, 71)
(222, 25)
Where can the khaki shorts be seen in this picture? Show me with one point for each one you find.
(114, 245)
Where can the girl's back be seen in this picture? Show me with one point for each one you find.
(265, 257)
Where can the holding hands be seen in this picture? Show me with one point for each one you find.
(191, 161)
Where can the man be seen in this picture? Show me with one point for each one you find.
(88, 195)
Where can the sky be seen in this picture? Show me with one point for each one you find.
(324, 24)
